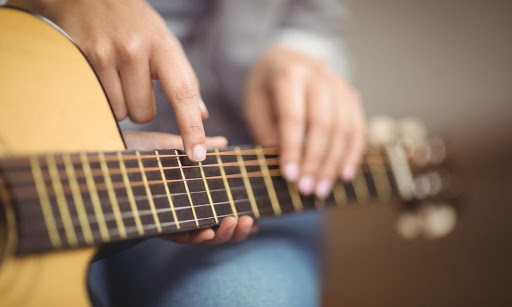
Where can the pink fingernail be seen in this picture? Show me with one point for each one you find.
(306, 184)
(323, 188)
(198, 153)
(348, 173)
(291, 172)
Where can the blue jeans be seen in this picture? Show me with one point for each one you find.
(279, 266)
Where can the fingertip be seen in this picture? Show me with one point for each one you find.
(228, 222)
(323, 188)
(348, 172)
(203, 235)
(255, 228)
(222, 141)
(197, 153)
(306, 184)
(290, 171)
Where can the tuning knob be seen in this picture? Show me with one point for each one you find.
(413, 132)
(382, 130)
(409, 225)
(438, 220)
(432, 221)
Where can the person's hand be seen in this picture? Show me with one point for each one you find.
(315, 116)
(128, 44)
(230, 229)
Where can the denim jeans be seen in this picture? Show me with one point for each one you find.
(278, 266)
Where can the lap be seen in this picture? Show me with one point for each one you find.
(277, 267)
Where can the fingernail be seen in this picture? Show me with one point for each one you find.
(291, 171)
(203, 107)
(323, 188)
(198, 153)
(306, 184)
(348, 173)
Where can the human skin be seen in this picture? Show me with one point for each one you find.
(291, 99)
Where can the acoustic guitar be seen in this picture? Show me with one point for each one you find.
(68, 185)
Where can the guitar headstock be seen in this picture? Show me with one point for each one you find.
(426, 179)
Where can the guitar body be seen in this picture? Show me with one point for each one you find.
(50, 100)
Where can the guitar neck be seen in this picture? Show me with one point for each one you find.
(70, 200)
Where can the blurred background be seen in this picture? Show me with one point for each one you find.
(450, 64)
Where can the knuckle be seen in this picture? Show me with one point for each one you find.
(195, 129)
(293, 119)
(167, 45)
(142, 115)
(290, 72)
(130, 49)
(185, 93)
(100, 56)
(323, 124)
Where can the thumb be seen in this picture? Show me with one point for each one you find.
(159, 140)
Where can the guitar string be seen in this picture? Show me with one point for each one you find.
(128, 157)
(109, 217)
(20, 175)
(28, 193)
(132, 230)
(92, 219)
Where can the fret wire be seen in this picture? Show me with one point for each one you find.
(340, 195)
(270, 162)
(268, 181)
(187, 190)
(6, 201)
(98, 211)
(102, 186)
(226, 184)
(44, 201)
(62, 204)
(382, 185)
(166, 187)
(319, 203)
(294, 194)
(208, 193)
(109, 216)
(360, 188)
(77, 199)
(247, 182)
(129, 194)
(148, 192)
(132, 229)
(112, 195)
(371, 160)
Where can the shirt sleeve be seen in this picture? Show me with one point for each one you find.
(317, 28)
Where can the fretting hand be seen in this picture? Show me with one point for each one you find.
(314, 115)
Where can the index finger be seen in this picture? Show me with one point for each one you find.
(179, 85)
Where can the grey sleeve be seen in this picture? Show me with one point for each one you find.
(316, 27)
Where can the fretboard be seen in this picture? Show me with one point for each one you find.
(70, 200)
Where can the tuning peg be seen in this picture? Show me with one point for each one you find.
(409, 225)
(437, 150)
(438, 220)
(432, 221)
(412, 131)
(428, 184)
(382, 130)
